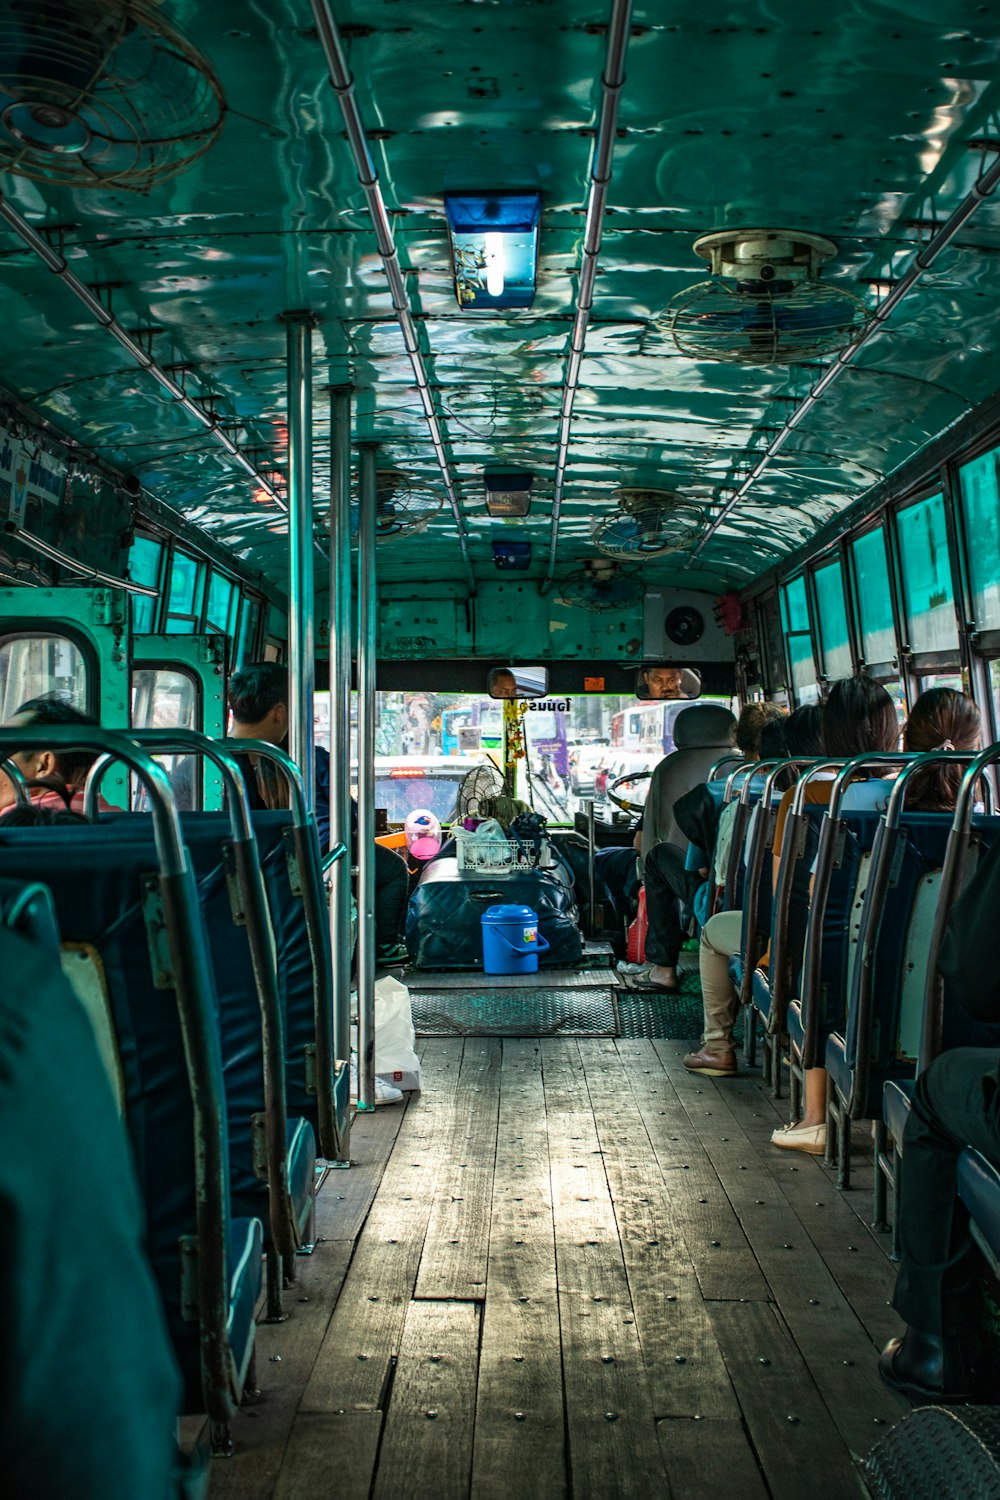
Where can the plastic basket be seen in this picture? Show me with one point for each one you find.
(491, 856)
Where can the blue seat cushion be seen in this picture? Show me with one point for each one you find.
(837, 1065)
(979, 1190)
(762, 992)
(301, 1168)
(795, 1027)
(896, 1096)
(246, 1274)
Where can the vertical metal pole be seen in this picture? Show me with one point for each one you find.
(340, 738)
(301, 589)
(366, 777)
(588, 808)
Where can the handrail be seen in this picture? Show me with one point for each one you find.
(18, 781)
(884, 853)
(952, 878)
(307, 854)
(182, 921)
(331, 856)
(812, 949)
(731, 758)
(263, 956)
(760, 841)
(740, 816)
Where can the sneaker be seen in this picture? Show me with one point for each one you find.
(801, 1137)
(712, 1064)
(385, 1093)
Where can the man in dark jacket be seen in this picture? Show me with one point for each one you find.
(258, 700)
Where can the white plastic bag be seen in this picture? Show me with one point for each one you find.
(395, 1041)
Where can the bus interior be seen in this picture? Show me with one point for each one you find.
(504, 396)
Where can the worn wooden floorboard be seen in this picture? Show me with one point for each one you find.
(519, 1444)
(519, 1296)
(612, 1445)
(458, 1231)
(354, 1363)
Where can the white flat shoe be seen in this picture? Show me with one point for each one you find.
(799, 1137)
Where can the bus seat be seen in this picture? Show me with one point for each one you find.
(28, 910)
(99, 885)
(207, 836)
(771, 986)
(82, 966)
(444, 917)
(89, 1409)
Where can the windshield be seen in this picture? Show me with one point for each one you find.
(400, 792)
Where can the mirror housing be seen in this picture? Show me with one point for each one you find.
(518, 682)
(663, 680)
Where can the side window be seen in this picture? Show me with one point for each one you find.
(145, 566)
(927, 595)
(874, 595)
(34, 665)
(220, 611)
(795, 621)
(165, 698)
(187, 579)
(832, 612)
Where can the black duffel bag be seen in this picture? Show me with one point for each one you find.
(444, 917)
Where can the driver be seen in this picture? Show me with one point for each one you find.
(503, 683)
(664, 682)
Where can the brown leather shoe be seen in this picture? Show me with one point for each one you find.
(712, 1064)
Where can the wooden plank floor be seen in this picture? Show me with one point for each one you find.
(570, 1270)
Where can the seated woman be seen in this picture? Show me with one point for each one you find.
(941, 720)
(799, 736)
(55, 778)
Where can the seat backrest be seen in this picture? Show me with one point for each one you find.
(103, 880)
(28, 909)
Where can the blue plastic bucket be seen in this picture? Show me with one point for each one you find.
(511, 940)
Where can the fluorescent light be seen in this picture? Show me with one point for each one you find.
(493, 245)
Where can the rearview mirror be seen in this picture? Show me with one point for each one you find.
(518, 682)
(659, 681)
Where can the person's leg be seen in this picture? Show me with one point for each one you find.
(392, 889)
(667, 882)
(720, 939)
(809, 1133)
(956, 1103)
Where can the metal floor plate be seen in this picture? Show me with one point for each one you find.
(507, 1011)
(659, 1016)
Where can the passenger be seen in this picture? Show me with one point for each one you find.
(700, 735)
(797, 736)
(258, 699)
(38, 815)
(673, 876)
(941, 720)
(56, 779)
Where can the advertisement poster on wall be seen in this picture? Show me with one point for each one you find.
(27, 474)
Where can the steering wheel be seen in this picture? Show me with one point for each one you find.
(611, 792)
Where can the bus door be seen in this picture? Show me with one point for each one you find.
(69, 642)
(179, 682)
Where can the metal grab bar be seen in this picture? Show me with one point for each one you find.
(952, 878)
(762, 833)
(18, 781)
(182, 920)
(263, 955)
(305, 846)
(826, 859)
(734, 759)
(331, 856)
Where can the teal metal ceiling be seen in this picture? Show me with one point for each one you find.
(851, 120)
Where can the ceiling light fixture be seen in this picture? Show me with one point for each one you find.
(494, 247)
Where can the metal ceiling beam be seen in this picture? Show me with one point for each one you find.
(342, 80)
(612, 79)
(922, 263)
(58, 265)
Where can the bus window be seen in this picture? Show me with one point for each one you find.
(220, 610)
(184, 598)
(871, 571)
(801, 662)
(832, 613)
(145, 561)
(980, 492)
(31, 666)
(929, 608)
(165, 698)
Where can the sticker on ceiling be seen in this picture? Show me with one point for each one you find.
(102, 93)
(765, 302)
